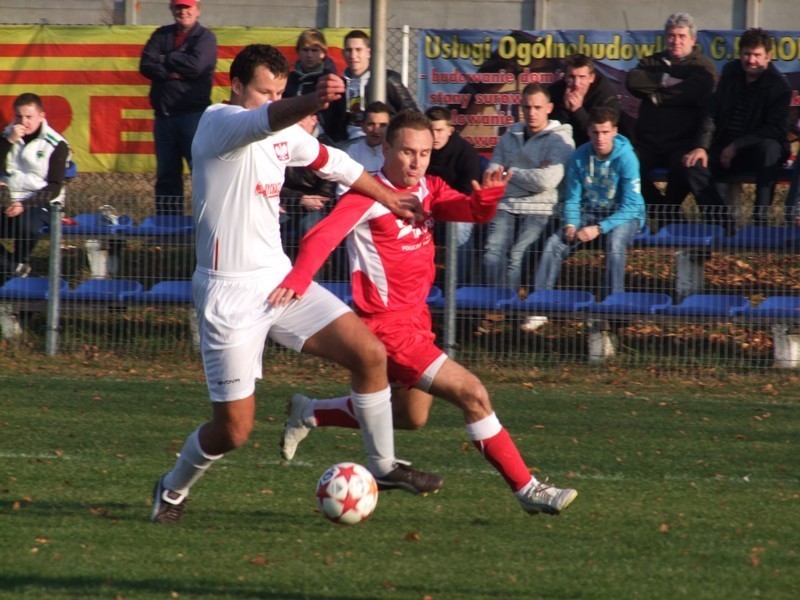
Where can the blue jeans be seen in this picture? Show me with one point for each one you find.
(510, 236)
(464, 241)
(173, 138)
(557, 249)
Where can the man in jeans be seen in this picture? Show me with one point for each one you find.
(536, 151)
(179, 60)
(603, 198)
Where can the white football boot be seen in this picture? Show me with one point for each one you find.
(295, 430)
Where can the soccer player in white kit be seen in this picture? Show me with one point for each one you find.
(240, 152)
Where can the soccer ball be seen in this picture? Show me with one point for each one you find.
(347, 493)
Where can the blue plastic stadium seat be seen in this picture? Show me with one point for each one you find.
(706, 305)
(95, 224)
(28, 288)
(163, 225)
(551, 301)
(482, 297)
(101, 290)
(775, 307)
(340, 289)
(627, 303)
(434, 295)
(761, 236)
(72, 170)
(173, 292)
(685, 234)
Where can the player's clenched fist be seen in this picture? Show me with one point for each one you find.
(330, 88)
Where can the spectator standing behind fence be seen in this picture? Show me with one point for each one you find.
(456, 161)
(603, 198)
(357, 55)
(674, 87)
(313, 62)
(179, 59)
(580, 90)
(34, 158)
(745, 129)
(537, 151)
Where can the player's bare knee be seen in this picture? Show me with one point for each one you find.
(475, 400)
(372, 355)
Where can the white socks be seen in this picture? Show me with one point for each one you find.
(190, 466)
(374, 413)
(484, 429)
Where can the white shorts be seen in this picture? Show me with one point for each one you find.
(235, 319)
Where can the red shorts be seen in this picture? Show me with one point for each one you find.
(409, 341)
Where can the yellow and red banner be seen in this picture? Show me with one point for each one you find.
(92, 91)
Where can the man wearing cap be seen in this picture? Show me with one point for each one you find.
(179, 59)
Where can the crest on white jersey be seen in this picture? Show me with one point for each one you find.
(282, 151)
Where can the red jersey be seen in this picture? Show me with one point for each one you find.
(391, 259)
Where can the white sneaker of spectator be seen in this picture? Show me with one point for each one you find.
(533, 323)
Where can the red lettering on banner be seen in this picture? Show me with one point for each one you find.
(57, 111)
(107, 125)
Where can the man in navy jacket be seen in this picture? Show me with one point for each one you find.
(179, 59)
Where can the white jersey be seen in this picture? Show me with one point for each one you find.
(238, 172)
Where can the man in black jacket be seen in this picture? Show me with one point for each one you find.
(456, 161)
(580, 90)
(674, 87)
(357, 55)
(745, 128)
(313, 62)
(179, 59)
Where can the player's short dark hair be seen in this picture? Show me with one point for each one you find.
(755, 37)
(535, 88)
(439, 113)
(357, 34)
(312, 37)
(578, 61)
(27, 99)
(604, 114)
(378, 107)
(244, 65)
(407, 119)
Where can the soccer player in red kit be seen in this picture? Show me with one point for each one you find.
(392, 269)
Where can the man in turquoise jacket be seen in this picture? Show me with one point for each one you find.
(603, 198)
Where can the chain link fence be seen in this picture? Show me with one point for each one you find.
(126, 287)
(113, 263)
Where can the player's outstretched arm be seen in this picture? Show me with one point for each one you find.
(404, 204)
(289, 111)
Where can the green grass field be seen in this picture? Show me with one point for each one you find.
(686, 490)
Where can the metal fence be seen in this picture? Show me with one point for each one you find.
(695, 297)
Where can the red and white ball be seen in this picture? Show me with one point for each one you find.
(347, 493)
